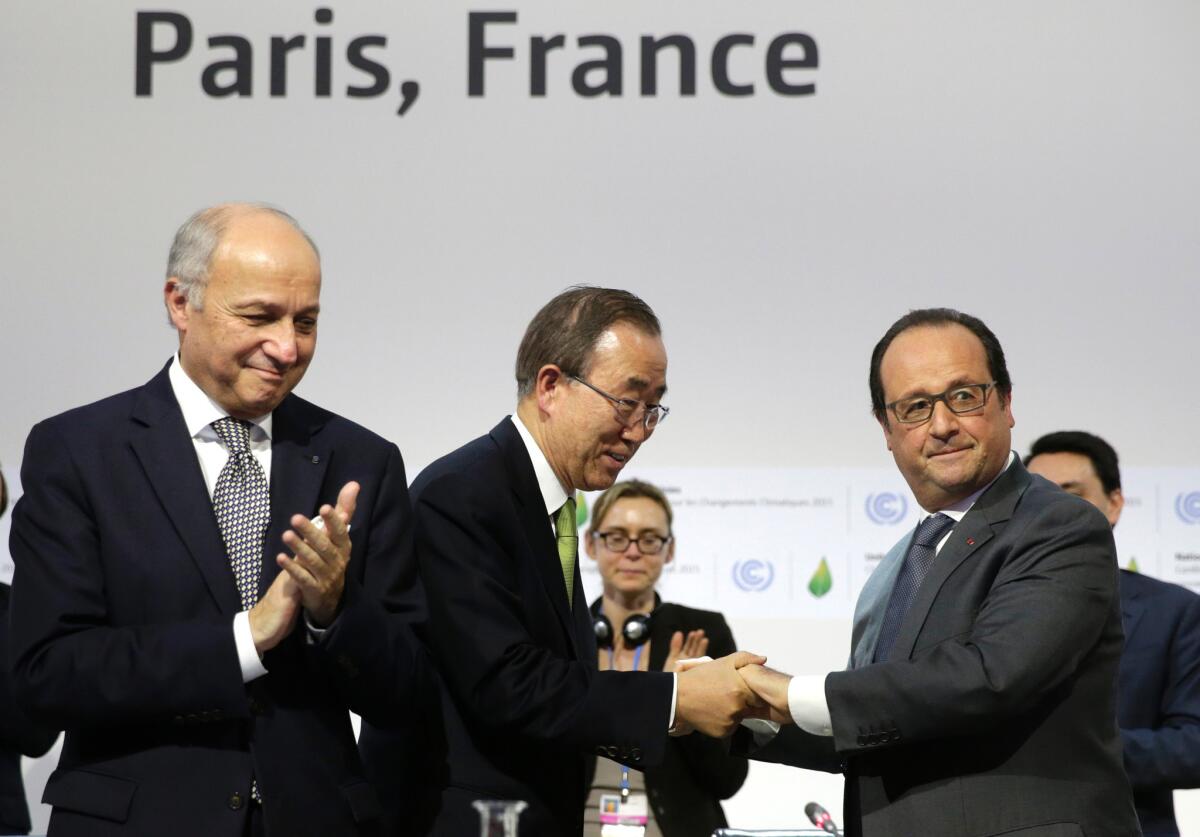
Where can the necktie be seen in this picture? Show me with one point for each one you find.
(920, 557)
(242, 503)
(568, 546)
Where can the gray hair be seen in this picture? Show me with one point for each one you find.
(197, 239)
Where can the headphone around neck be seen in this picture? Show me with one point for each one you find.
(635, 631)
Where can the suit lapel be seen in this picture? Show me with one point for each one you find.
(163, 447)
(873, 601)
(299, 459)
(977, 527)
(540, 533)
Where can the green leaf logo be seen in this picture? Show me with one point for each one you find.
(821, 581)
(1133, 566)
(581, 509)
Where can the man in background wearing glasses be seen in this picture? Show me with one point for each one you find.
(524, 708)
(980, 697)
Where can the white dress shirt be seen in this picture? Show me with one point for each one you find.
(553, 497)
(199, 412)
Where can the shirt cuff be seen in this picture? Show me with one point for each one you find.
(806, 702)
(314, 633)
(674, 697)
(764, 731)
(251, 664)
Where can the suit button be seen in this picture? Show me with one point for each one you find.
(236, 802)
(613, 752)
(862, 741)
(636, 752)
(601, 750)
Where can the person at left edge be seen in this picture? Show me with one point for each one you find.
(203, 675)
(19, 735)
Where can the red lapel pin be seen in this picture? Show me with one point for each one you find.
(970, 541)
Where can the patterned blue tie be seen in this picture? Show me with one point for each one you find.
(921, 553)
(242, 503)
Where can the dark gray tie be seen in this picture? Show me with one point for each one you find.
(921, 553)
(242, 503)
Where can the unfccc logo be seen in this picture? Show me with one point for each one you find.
(886, 508)
(753, 575)
(1187, 506)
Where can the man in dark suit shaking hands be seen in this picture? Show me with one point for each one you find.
(980, 698)
(175, 609)
(525, 709)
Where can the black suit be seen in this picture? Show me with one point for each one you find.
(1158, 704)
(995, 713)
(524, 706)
(697, 772)
(123, 604)
(18, 736)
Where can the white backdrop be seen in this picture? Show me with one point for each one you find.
(1031, 163)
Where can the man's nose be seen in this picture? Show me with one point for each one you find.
(281, 347)
(943, 422)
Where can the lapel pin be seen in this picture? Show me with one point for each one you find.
(316, 460)
(970, 541)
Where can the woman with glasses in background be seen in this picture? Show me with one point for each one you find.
(630, 539)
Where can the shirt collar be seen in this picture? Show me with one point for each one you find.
(200, 411)
(959, 510)
(553, 494)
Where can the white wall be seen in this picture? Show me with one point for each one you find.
(1031, 163)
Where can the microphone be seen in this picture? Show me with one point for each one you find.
(819, 817)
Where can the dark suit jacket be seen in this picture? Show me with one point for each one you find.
(524, 706)
(1158, 704)
(996, 712)
(123, 602)
(19, 735)
(697, 772)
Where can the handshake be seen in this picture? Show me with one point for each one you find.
(716, 695)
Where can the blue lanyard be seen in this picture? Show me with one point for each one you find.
(637, 658)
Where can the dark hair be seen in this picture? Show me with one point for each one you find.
(1100, 452)
(628, 490)
(938, 317)
(565, 331)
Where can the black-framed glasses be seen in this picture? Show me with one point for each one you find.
(648, 544)
(960, 400)
(630, 410)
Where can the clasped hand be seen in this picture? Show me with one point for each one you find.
(313, 577)
(716, 695)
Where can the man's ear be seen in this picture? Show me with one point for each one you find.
(549, 386)
(177, 304)
(1116, 502)
(887, 430)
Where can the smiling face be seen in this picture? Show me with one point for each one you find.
(251, 343)
(629, 574)
(585, 441)
(949, 457)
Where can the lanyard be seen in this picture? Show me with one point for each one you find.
(637, 658)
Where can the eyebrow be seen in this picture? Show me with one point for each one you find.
(634, 382)
(960, 381)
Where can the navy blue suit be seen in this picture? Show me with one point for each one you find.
(1158, 704)
(123, 602)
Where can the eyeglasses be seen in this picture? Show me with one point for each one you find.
(960, 400)
(630, 410)
(619, 542)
